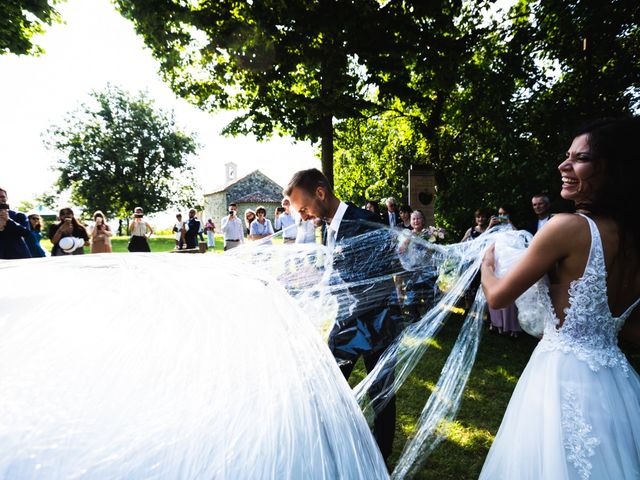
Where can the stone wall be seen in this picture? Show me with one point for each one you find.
(215, 207)
(216, 204)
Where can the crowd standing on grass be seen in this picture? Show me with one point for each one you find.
(20, 236)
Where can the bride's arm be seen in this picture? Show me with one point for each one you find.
(550, 245)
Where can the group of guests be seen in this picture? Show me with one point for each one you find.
(257, 227)
(69, 236)
(394, 216)
(21, 234)
(505, 320)
(188, 232)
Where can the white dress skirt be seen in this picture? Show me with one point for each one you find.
(575, 412)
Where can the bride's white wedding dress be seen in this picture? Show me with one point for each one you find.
(575, 413)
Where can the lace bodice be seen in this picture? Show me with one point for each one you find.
(589, 331)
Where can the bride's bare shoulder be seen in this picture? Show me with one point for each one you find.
(566, 229)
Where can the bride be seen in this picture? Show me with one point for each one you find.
(575, 413)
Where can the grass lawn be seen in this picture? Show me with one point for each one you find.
(158, 243)
(498, 366)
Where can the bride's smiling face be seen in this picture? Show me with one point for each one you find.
(581, 172)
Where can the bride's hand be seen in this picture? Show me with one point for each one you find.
(489, 259)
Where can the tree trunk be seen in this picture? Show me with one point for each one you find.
(326, 127)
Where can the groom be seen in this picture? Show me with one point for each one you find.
(370, 327)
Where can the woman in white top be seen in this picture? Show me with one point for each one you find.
(140, 231)
(261, 227)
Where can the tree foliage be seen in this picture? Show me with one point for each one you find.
(373, 157)
(21, 20)
(486, 96)
(494, 119)
(288, 67)
(121, 152)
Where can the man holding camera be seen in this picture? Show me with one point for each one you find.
(284, 221)
(12, 235)
(18, 217)
(232, 228)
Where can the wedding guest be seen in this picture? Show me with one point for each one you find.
(405, 217)
(286, 222)
(249, 216)
(418, 223)
(67, 227)
(179, 231)
(391, 218)
(481, 216)
(100, 234)
(18, 217)
(374, 208)
(231, 227)
(419, 285)
(140, 232)
(306, 230)
(504, 320)
(35, 228)
(193, 229)
(541, 206)
(261, 227)
(210, 228)
(12, 237)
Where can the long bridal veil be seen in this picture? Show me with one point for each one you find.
(165, 367)
(216, 366)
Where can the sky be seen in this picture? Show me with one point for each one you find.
(93, 47)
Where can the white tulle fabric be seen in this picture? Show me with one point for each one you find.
(575, 412)
(146, 366)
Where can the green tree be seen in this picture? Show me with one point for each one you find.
(373, 156)
(450, 106)
(48, 199)
(291, 67)
(121, 152)
(21, 20)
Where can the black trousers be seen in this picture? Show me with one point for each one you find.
(384, 422)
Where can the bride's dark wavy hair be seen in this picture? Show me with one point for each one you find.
(615, 146)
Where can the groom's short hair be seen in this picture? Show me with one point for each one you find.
(308, 181)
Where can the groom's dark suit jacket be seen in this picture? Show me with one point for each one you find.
(365, 260)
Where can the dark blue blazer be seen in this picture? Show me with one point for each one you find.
(12, 241)
(365, 259)
(356, 221)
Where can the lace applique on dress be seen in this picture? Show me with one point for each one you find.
(579, 445)
(589, 331)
